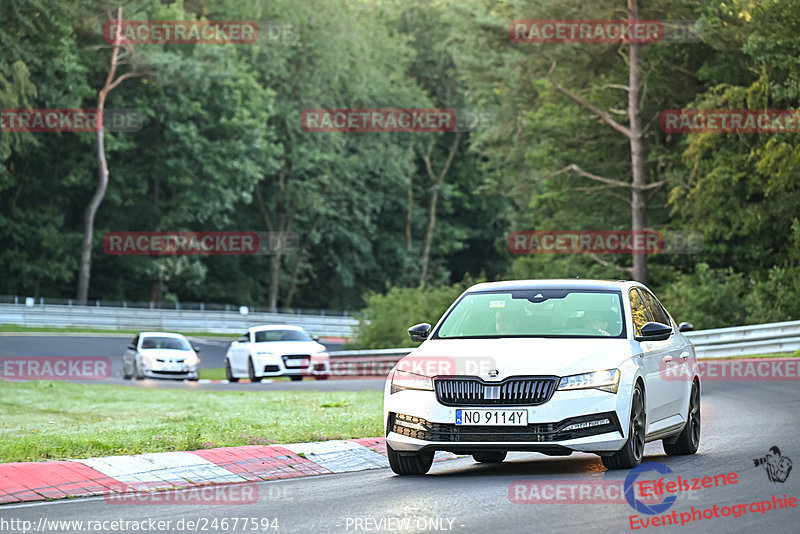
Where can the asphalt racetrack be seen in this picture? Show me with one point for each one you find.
(741, 422)
(212, 355)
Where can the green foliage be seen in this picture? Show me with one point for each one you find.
(384, 322)
(221, 148)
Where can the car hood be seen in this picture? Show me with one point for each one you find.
(166, 354)
(289, 347)
(516, 356)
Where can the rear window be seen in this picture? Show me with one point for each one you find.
(535, 313)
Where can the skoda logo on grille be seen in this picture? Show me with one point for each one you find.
(493, 373)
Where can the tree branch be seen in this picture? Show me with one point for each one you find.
(602, 115)
(604, 263)
(616, 183)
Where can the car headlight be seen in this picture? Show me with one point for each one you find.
(603, 380)
(191, 359)
(404, 380)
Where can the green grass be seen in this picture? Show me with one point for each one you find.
(59, 420)
(13, 328)
(773, 355)
(218, 373)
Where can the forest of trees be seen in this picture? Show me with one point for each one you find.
(406, 215)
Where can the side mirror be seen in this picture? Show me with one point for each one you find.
(132, 346)
(419, 332)
(315, 338)
(196, 348)
(653, 331)
(685, 327)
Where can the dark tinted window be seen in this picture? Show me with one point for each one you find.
(174, 343)
(639, 312)
(263, 336)
(656, 310)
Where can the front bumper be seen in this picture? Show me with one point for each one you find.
(189, 372)
(273, 365)
(546, 431)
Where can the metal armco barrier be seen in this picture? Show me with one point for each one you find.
(709, 344)
(181, 320)
(746, 340)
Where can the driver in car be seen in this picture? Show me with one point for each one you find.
(507, 322)
(595, 321)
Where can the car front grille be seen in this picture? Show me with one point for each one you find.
(517, 391)
(302, 361)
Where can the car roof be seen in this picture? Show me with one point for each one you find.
(275, 327)
(161, 334)
(560, 283)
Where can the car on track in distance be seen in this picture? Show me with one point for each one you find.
(549, 366)
(276, 350)
(160, 355)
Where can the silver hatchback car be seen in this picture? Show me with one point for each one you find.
(160, 355)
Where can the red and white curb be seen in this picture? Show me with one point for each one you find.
(35, 481)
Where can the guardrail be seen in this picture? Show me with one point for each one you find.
(746, 340)
(142, 319)
(709, 344)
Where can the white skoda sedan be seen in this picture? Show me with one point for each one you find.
(276, 350)
(550, 366)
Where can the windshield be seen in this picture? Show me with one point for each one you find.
(535, 313)
(264, 336)
(174, 343)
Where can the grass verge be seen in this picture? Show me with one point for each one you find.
(217, 373)
(749, 356)
(59, 420)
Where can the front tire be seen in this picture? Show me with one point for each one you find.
(229, 373)
(296, 378)
(630, 455)
(125, 374)
(251, 372)
(413, 464)
(489, 457)
(689, 439)
(138, 372)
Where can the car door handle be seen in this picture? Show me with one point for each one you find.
(667, 360)
(685, 355)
